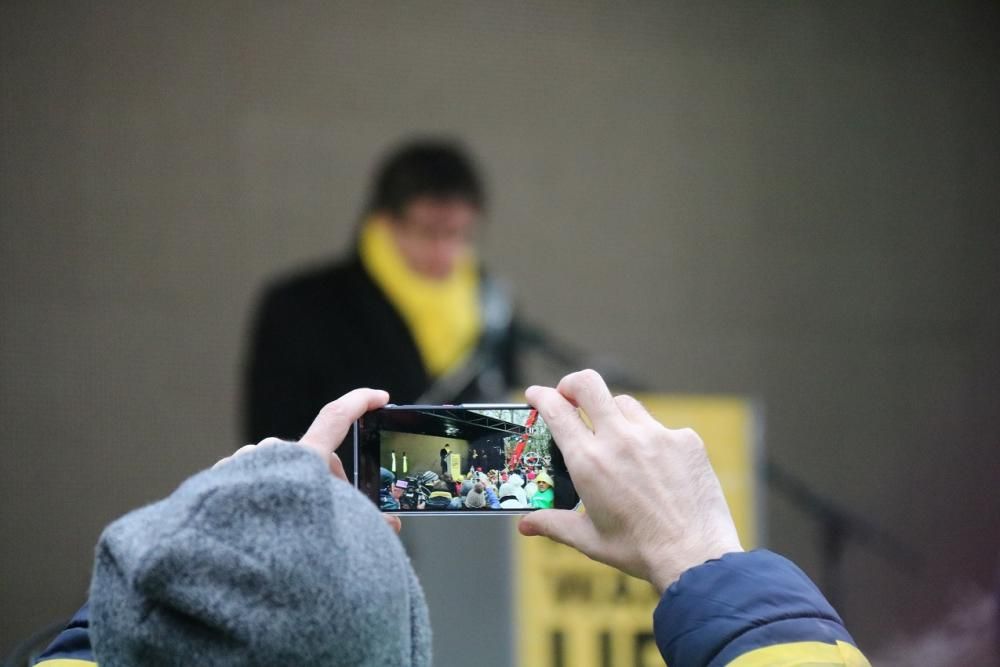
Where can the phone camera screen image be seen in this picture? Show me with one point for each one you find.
(431, 459)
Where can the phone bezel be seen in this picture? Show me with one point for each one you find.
(359, 463)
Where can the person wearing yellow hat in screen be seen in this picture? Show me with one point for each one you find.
(545, 498)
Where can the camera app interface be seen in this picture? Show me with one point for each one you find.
(458, 459)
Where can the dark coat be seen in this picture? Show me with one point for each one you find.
(325, 331)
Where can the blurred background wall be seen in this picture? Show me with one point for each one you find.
(793, 201)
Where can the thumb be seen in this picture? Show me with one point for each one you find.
(568, 527)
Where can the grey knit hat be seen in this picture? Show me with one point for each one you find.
(266, 560)
(476, 498)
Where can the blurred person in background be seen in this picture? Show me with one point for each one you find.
(509, 499)
(517, 483)
(458, 502)
(440, 497)
(545, 497)
(396, 493)
(444, 454)
(386, 500)
(530, 489)
(409, 308)
(475, 499)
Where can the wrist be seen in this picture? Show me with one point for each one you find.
(669, 568)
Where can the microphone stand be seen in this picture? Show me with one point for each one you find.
(838, 526)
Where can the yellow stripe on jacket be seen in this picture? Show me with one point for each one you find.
(801, 654)
(65, 662)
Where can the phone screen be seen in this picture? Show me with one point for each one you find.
(482, 458)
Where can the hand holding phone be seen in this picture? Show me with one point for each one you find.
(654, 505)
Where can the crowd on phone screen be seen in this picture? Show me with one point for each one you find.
(518, 489)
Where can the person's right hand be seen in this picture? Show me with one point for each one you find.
(654, 506)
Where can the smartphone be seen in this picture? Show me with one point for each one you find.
(458, 460)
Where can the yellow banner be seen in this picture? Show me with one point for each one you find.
(571, 611)
(455, 466)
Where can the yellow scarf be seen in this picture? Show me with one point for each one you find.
(442, 315)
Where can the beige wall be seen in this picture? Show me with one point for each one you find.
(794, 201)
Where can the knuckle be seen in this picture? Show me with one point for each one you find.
(593, 384)
(580, 379)
(630, 436)
(633, 442)
(690, 434)
(598, 463)
(690, 437)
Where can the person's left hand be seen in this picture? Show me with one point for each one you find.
(330, 428)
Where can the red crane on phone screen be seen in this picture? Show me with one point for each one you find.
(523, 440)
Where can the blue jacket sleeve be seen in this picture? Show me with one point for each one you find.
(749, 604)
(70, 645)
